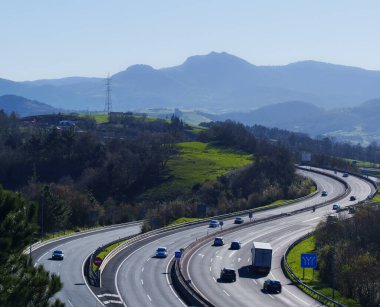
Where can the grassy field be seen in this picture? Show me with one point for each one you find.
(99, 117)
(313, 281)
(196, 163)
(199, 162)
(182, 220)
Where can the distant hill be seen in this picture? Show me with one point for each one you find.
(356, 124)
(25, 107)
(216, 82)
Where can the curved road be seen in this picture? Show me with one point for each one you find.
(205, 264)
(75, 291)
(142, 280)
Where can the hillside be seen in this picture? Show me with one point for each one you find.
(357, 124)
(214, 82)
(24, 107)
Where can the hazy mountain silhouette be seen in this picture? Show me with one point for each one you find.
(214, 82)
(24, 107)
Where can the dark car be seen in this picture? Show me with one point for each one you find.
(239, 220)
(228, 274)
(324, 193)
(235, 245)
(218, 241)
(57, 255)
(352, 198)
(273, 286)
(345, 174)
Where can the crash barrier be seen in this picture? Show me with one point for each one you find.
(41, 243)
(92, 275)
(289, 272)
(181, 280)
(157, 232)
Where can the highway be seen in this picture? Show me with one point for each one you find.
(75, 291)
(205, 264)
(139, 279)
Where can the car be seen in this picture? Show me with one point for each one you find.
(336, 207)
(324, 193)
(161, 252)
(239, 220)
(213, 224)
(345, 174)
(57, 255)
(352, 198)
(272, 285)
(235, 245)
(228, 274)
(218, 241)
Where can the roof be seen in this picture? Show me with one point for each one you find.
(262, 245)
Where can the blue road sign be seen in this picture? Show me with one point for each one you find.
(221, 223)
(177, 255)
(309, 261)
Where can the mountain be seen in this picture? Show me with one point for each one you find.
(357, 124)
(216, 82)
(24, 107)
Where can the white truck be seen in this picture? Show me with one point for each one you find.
(261, 257)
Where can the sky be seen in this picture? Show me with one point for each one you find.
(45, 39)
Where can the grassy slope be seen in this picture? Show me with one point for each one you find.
(196, 163)
(308, 246)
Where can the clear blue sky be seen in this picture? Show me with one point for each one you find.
(53, 39)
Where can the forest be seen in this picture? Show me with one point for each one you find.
(349, 255)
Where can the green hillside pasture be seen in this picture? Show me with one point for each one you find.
(313, 281)
(198, 162)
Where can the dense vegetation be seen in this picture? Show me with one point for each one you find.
(299, 142)
(21, 284)
(269, 178)
(349, 255)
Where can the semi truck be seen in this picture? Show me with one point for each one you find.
(261, 257)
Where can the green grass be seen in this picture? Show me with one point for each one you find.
(313, 281)
(377, 196)
(182, 220)
(99, 117)
(105, 252)
(67, 232)
(196, 163)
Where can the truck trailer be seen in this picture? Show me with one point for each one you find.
(261, 257)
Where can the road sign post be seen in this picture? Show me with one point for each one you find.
(308, 260)
(250, 214)
(221, 225)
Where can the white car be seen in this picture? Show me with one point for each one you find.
(213, 224)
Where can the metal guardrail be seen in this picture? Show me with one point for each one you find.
(152, 233)
(292, 276)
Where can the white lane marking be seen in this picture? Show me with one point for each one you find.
(219, 257)
(304, 303)
(271, 296)
(211, 260)
(210, 269)
(214, 278)
(249, 259)
(318, 217)
(142, 282)
(70, 302)
(233, 253)
(42, 257)
(112, 302)
(149, 297)
(108, 294)
(142, 269)
(239, 259)
(201, 255)
(254, 281)
(226, 293)
(148, 259)
(168, 282)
